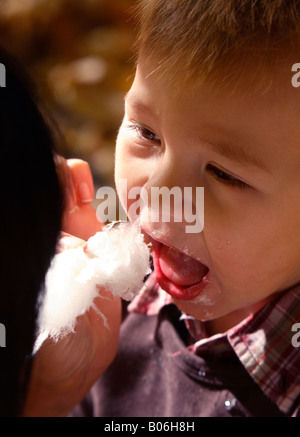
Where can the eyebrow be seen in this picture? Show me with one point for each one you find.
(133, 100)
(228, 150)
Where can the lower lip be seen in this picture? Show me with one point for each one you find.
(176, 291)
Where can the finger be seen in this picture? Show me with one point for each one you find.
(82, 180)
(65, 177)
(82, 222)
(80, 218)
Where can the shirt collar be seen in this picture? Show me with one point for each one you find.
(262, 342)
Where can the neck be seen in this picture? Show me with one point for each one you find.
(224, 323)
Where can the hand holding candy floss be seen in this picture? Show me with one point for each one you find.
(80, 308)
(116, 260)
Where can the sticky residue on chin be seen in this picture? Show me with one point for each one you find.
(204, 300)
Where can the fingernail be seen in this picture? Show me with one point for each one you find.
(84, 192)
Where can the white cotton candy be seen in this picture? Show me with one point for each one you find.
(116, 259)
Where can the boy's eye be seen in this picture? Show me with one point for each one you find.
(224, 177)
(145, 133)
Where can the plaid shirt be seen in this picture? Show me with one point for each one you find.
(262, 342)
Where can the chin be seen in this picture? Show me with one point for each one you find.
(201, 308)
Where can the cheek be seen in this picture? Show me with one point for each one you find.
(233, 257)
(247, 265)
(120, 159)
(236, 241)
(130, 173)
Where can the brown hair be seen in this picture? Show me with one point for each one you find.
(209, 39)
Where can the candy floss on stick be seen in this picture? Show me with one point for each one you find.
(116, 259)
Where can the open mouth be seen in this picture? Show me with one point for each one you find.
(180, 275)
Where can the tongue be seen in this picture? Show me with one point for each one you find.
(179, 268)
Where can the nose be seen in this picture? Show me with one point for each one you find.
(169, 171)
(171, 196)
(164, 182)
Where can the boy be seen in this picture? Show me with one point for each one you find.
(212, 105)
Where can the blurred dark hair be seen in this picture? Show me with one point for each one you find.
(31, 211)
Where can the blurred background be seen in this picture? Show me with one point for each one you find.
(79, 53)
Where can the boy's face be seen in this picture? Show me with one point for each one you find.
(245, 151)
